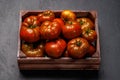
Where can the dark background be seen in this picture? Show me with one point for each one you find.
(109, 27)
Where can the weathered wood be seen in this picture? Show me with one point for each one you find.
(64, 63)
(58, 67)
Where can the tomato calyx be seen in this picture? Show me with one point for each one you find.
(32, 26)
(81, 22)
(65, 19)
(70, 22)
(48, 13)
(78, 43)
(87, 31)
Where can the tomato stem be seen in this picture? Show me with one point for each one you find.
(70, 22)
(46, 14)
(78, 43)
(32, 26)
(82, 22)
(87, 31)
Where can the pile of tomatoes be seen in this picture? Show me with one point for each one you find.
(64, 36)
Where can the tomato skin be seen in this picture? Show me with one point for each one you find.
(77, 47)
(85, 23)
(71, 30)
(67, 15)
(89, 34)
(31, 21)
(47, 15)
(50, 30)
(60, 21)
(55, 49)
(91, 50)
(29, 31)
(31, 50)
(66, 54)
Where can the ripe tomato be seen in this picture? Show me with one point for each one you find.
(66, 54)
(85, 23)
(71, 30)
(56, 48)
(33, 50)
(91, 50)
(77, 47)
(50, 30)
(29, 31)
(60, 21)
(89, 34)
(67, 15)
(46, 16)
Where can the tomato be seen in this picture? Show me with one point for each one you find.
(66, 54)
(89, 34)
(67, 15)
(50, 30)
(91, 50)
(85, 23)
(71, 30)
(29, 31)
(55, 49)
(33, 50)
(60, 21)
(47, 15)
(77, 47)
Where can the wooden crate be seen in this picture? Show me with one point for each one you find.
(63, 63)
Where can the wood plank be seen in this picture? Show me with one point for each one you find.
(57, 67)
(61, 61)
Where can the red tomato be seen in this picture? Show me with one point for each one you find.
(89, 34)
(66, 54)
(91, 50)
(29, 31)
(60, 21)
(50, 30)
(85, 23)
(33, 50)
(46, 16)
(77, 47)
(67, 15)
(71, 30)
(56, 48)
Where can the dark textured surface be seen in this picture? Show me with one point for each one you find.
(108, 16)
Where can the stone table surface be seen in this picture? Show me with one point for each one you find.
(109, 27)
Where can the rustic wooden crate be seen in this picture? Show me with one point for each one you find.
(64, 63)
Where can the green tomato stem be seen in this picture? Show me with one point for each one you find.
(78, 43)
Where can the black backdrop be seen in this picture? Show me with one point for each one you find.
(109, 27)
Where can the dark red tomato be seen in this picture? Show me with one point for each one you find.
(77, 47)
(66, 54)
(71, 30)
(33, 50)
(29, 31)
(91, 50)
(89, 34)
(55, 49)
(85, 23)
(50, 30)
(67, 15)
(46, 16)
